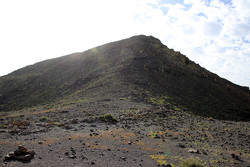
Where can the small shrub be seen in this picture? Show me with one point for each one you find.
(20, 124)
(2, 126)
(154, 134)
(191, 163)
(74, 121)
(43, 119)
(108, 118)
(50, 123)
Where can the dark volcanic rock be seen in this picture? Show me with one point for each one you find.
(21, 154)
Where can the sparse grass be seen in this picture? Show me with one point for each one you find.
(191, 162)
(176, 108)
(159, 158)
(156, 101)
(174, 117)
(152, 134)
(165, 100)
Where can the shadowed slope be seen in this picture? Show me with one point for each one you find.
(140, 67)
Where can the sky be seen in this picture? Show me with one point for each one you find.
(213, 33)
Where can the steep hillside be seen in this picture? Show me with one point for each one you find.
(140, 69)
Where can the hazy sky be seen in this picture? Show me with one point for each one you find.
(213, 33)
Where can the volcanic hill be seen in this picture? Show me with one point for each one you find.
(140, 68)
(133, 102)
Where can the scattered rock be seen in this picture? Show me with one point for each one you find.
(182, 145)
(7, 157)
(191, 150)
(64, 111)
(68, 127)
(156, 136)
(72, 156)
(21, 154)
(204, 152)
(95, 134)
(11, 154)
(166, 165)
(27, 157)
(3, 131)
(20, 150)
(175, 138)
(237, 157)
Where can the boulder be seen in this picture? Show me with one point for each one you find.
(21, 154)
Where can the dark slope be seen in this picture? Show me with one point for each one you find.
(140, 68)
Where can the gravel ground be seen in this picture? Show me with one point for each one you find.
(115, 133)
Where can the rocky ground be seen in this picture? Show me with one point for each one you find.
(121, 133)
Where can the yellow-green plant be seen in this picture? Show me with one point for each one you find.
(191, 162)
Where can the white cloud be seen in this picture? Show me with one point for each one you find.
(212, 28)
(212, 33)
